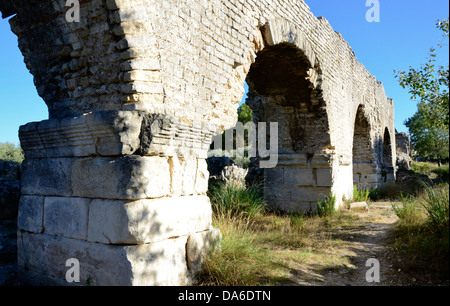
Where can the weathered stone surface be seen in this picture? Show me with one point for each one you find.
(403, 144)
(115, 133)
(66, 217)
(147, 221)
(47, 177)
(199, 246)
(234, 175)
(131, 177)
(359, 206)
(31, 214)
(44, 257)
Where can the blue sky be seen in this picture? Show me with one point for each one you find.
(402, 38)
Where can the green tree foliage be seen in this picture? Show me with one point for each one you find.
(245, 114)
(429, 139)
(429, 84)
(10, 152)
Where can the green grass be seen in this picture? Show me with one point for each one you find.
(407, 211)
(361, 195)
(422, 233)
(236, 199)
(326, 207)
(260, 246)
(442, 173)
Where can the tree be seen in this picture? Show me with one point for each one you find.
(10, 152)
(429, 140)
(429, 125)
(245, 114)
(430, 83)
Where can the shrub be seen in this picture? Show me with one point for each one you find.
(236, 199)
(408, 211)
(421, 167)
(423, 240)
(442, 173)
(360, 195)
(326, 207)
(436, 204)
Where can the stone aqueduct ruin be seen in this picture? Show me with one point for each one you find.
(117, 177)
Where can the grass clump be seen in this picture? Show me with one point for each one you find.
(326, 207)
(361, 195)
(408, 210)
(240, 261)
(422, 233)
(421, 167)
(236, 200)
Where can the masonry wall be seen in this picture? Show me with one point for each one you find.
(135, 92)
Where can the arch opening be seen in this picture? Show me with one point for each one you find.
(387, 162)
(364, 167)
(280, 92)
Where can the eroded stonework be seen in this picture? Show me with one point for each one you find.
(117, 177)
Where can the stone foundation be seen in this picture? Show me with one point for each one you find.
(126, 217)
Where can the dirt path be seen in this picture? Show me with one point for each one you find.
(363, 242)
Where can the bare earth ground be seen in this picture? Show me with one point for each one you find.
(367, 240)
(363, 242)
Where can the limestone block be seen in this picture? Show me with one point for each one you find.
(128, 178)
(156, 264)
(67, 217)
(107, 133)
(115, 132)
(189, 175)
(368, 178)
(274, 176)
(200, 245)
(324, 177)
(299, 176)
(359, 206)
(48, 176)
(31, 214)
(367, 168)
(309, 194)
(202, 177)
(147, 221)
(167, 136)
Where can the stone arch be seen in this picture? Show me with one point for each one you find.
(284, 80)
(364, 162)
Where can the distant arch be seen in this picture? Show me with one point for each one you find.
(364, 166)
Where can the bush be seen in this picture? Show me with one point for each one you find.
(326, 207)
(442, 173)
(408, 211)
(421, 167)
(436, 204)
(360, 195)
